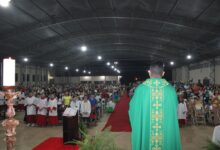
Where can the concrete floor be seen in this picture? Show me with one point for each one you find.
(193, 138)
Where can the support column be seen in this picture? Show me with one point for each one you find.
(187, 73)
(212, 70)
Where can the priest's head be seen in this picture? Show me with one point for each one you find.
(156, 70)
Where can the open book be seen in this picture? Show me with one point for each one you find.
(70, 112)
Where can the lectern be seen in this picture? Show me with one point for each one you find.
(70, 128)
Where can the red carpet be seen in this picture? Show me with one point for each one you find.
(119, 120)
(55, 143)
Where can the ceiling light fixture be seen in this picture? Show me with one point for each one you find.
(108, 63)
(77, 70)
(4, 3)
(83, 48)
(66, 68)
(171, 63)
(84, 71)
(51, 64)
(25, 59)
(99, 57)
(112, 67)
(189, 56)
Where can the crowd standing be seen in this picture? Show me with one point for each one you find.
(44, 105)
(198, 103)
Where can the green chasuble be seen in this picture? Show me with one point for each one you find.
(153, 116)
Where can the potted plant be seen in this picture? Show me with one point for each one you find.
(212, 146)
(100, 141)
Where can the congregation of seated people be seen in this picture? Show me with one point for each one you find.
(198, 103)
(44, 105)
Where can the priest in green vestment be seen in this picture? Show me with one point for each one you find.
(153, 114)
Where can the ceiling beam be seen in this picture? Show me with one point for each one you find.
(94, 34)
(142, 51)
(92, 44)
(140, 15)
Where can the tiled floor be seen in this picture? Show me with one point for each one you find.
(193, 138)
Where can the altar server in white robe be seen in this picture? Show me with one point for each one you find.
(52, 108)
(42, 111)
(30, 103)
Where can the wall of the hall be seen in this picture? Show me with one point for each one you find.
(69, 80)
(198, 71)
(30, 75)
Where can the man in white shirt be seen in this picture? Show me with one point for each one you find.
(85, 109)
